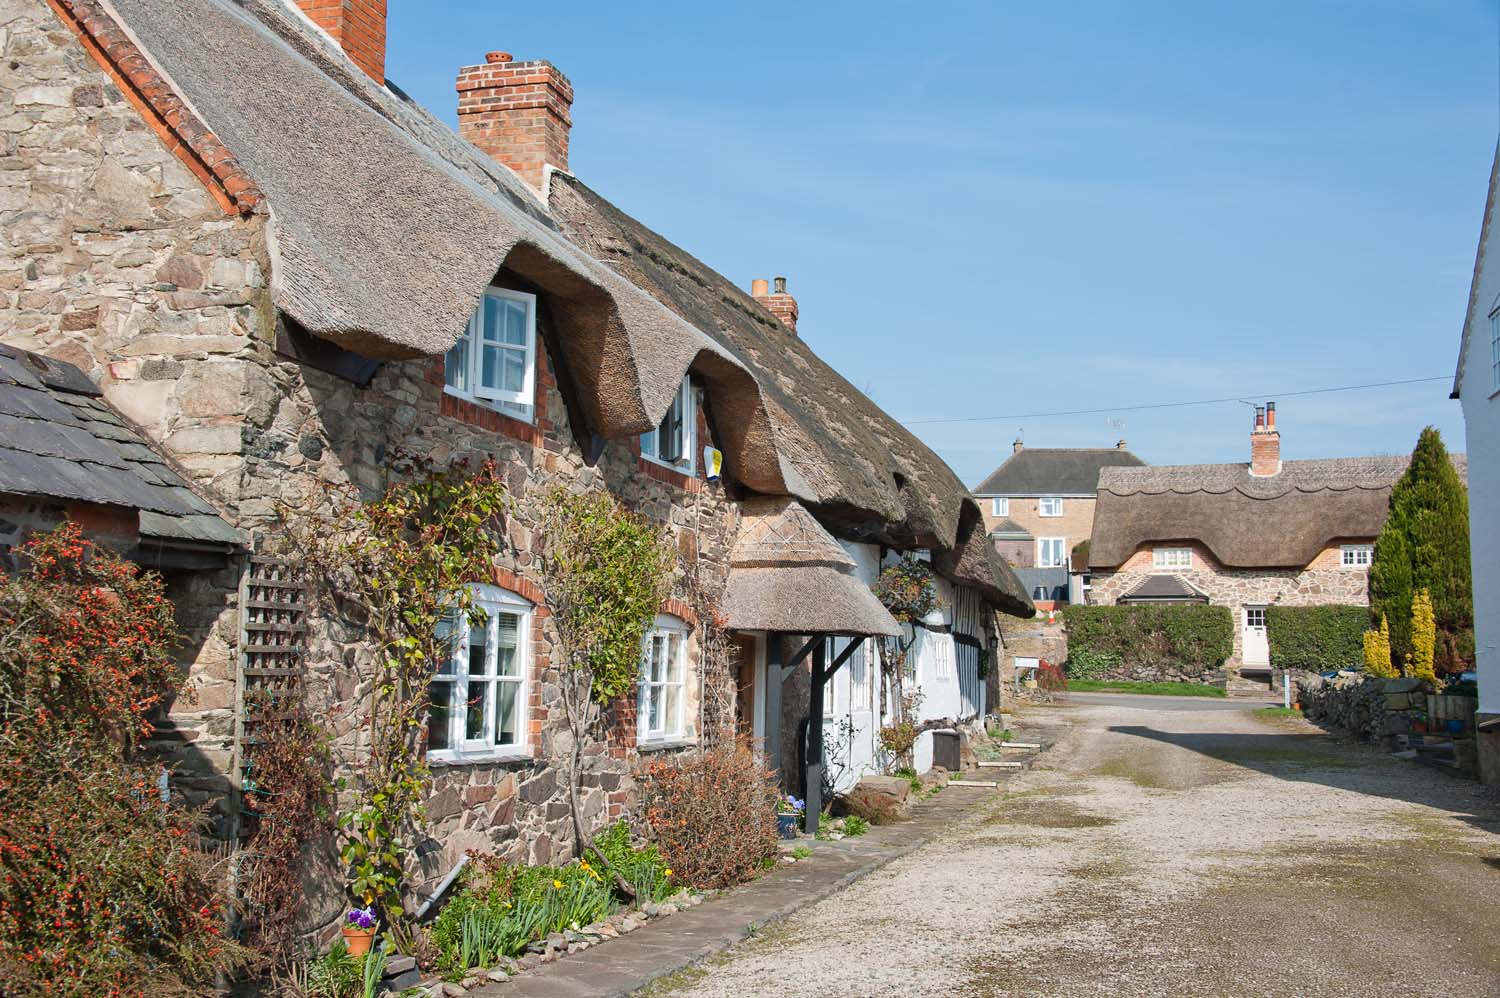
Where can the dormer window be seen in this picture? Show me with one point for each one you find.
(1172, 558)
(1357, 555)
(672, 443)
(494, 361)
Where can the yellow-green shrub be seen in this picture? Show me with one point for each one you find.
(1378, 651)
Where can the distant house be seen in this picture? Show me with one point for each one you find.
(1039, 506)
(1247, 536)
(1477, 387)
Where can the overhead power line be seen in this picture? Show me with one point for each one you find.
(1174, 405)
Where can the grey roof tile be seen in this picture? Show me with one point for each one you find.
(1054, 471)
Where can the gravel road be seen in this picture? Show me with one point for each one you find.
(1166, 852)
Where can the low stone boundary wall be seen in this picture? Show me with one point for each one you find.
(1374, 709)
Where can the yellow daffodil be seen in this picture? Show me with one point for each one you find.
(557, 884)
(669, 871)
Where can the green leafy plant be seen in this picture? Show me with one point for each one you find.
(399, 566)
(801, 852)
(855, 826)
(1189, 638)
(1425, 545)
(1088, 663)
(606, 573)
(1316, 638)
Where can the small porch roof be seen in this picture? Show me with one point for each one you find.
(786, 573)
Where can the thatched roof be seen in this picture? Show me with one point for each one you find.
(385, 227)
(1054, 471)
(60, 440)
(786, 573)
(1245, 521)
(842, 454)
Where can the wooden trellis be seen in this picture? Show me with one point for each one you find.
(273, 669)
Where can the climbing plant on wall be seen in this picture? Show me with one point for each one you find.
(396, 567)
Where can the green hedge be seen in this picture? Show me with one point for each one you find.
(1317, 638)
(1189, 638)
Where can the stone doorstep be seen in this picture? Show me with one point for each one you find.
(973, 783)
(1000, 765)
(1022, 746)
(632, 962)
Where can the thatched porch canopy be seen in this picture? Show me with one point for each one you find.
(787, 574)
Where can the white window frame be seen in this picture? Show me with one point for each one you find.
(461, 748)
(1060, 544)
(1495, 351)
(672, 729)
(1000, 506)
(1053, 503)
(1356, 556)
(519, 404)
(651, 440)
(1251, 626)
(1172, 558)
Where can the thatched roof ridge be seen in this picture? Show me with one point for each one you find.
(1245, 521)
(786, 573)
(385, 228)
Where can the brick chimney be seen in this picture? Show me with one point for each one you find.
(1265, 442)
(778, 303)
(518, 112)
(359, 28)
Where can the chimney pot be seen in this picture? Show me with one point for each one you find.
(1018, 446)
(760, 288)
(494, 57)
(1265, 442)
(780, 285)
(1120, 444)
(1270, 415)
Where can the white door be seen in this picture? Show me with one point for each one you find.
(1255, 652)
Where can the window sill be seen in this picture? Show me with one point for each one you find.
(664, 744)
(668, 475)
(508, 757)
(480, 413)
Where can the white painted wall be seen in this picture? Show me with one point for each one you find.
(852, 701)
(1480, 398)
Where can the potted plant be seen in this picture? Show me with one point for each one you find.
(788, 812)
(359, 930)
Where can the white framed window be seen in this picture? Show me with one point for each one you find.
(477, 699)
(1171, 557)
(494, 360)
(663, 681)
(1495, 351)
(1255, 618)
(1051, 552)
(999, 506)
(1049, 507)
(674, 441)
(1356, 555)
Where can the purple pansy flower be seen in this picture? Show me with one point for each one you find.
(363, 918)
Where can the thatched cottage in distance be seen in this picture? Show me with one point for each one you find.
(1247, 536)
(280, 272)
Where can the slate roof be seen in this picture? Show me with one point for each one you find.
(1275, 521)
(59, 439)
(1165, 588)
(1054, 471)
(1009, 528)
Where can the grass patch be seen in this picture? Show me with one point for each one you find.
(801, 852)
(1148, 689)
(1277, 712)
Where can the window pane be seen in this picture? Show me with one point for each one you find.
(658, 656)
(479, 695)
(669, 708)
(648, 444)
(456, 365)
(653, 709)
(439, 714)
(448, 632)
(489, 373)
(515, 323)
(491, 320)
(506, 643)
(674, 658)
(477, 636)
(515, 370)
(506, 713)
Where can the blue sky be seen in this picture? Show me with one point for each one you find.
(989, 209)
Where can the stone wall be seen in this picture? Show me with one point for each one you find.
(117, 259)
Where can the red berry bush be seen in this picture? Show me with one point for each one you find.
(104, 888)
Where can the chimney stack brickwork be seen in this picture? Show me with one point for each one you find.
(359, 28)
(778, 303)
(519, 113)
(1265, 442)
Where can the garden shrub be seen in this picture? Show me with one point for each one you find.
(713, 815)
(1085, 663)
(1377, 649)
(1316, 638)
(1050, 677)
(1185, 638)
(105, 889)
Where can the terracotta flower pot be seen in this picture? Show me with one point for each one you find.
(358, 940)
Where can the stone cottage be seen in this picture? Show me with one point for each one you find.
(283, 273)
(1247, 536)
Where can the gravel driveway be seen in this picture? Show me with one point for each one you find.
(1166, 852)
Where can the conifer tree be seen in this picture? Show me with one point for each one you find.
(1425, 545)
(1423, 638)
(1378, 651)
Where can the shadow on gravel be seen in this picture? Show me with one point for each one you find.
(1315, 758)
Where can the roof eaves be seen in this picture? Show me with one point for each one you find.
(1484, 229)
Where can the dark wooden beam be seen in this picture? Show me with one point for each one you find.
(802, 653)
(771, 702)
(813, 763)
